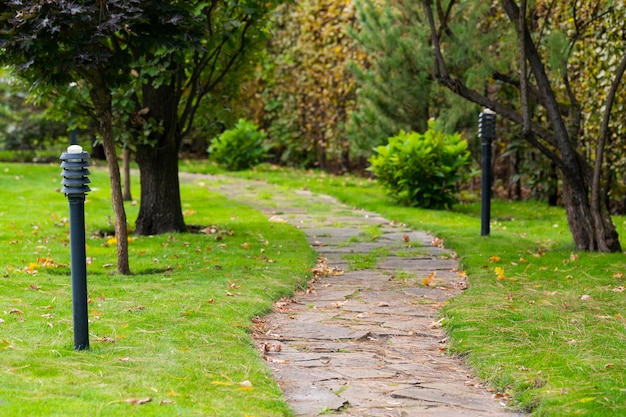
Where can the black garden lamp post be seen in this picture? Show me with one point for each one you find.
(487, 133)
(74, 164)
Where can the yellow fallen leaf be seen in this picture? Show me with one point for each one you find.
(499, 273)
(221, 383)
(430, 279)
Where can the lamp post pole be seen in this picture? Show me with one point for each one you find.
(74, 172)
(486, 132)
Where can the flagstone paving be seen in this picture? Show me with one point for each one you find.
(364, 338)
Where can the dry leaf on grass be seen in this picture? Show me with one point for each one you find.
(138, 401)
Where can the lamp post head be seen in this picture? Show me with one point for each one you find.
(74, 164)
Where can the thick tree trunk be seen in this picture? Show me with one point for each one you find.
(161, 209)
(101, 99)
(591, 230)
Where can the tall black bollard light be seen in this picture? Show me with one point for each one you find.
(74, 164)
(486, 132)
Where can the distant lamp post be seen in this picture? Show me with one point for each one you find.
(74, 172)
(487, 133)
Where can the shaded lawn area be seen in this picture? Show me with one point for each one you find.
(170, 340)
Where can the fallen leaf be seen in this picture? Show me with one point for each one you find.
(104, 339)
(494, 258)
(277, 219)
(138, 401)
(226, 383)
(437, 242)
(585, 297)
(499, 273)
(437, 324)
(430, 279)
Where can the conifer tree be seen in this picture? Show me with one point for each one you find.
(395, 88)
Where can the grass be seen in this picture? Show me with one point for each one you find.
(175, 333)
(541, 322)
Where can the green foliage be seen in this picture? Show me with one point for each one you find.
(23, 125)
(239, 148)
(306, 87)
(422, 170)
(395, 85)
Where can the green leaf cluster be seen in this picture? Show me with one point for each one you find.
(422, 170)
(239, 148)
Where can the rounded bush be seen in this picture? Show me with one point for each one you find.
(239, 148)
(422, 170)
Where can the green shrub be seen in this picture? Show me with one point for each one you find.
(239, 148)
(422, 170)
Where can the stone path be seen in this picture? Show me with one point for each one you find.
(364, 339)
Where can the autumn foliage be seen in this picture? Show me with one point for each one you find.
(307, 89)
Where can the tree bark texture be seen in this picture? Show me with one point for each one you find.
(101, 98)
(126, 155)
(160, 210)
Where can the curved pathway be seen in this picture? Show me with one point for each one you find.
(364, 338)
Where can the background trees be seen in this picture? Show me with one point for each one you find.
(161, 58)
(546, 67)
(305, 84)
(543, 100)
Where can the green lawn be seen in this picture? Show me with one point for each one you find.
(541, 322)
(175, 333)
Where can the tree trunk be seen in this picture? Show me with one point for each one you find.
(126, 194)
(161, 209)
(591, 230)
(101, 98)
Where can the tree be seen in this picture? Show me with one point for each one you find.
(158, 59)
(23, 125)
(55, 43)
(394, 84)
(307, 88)
(481, 47)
